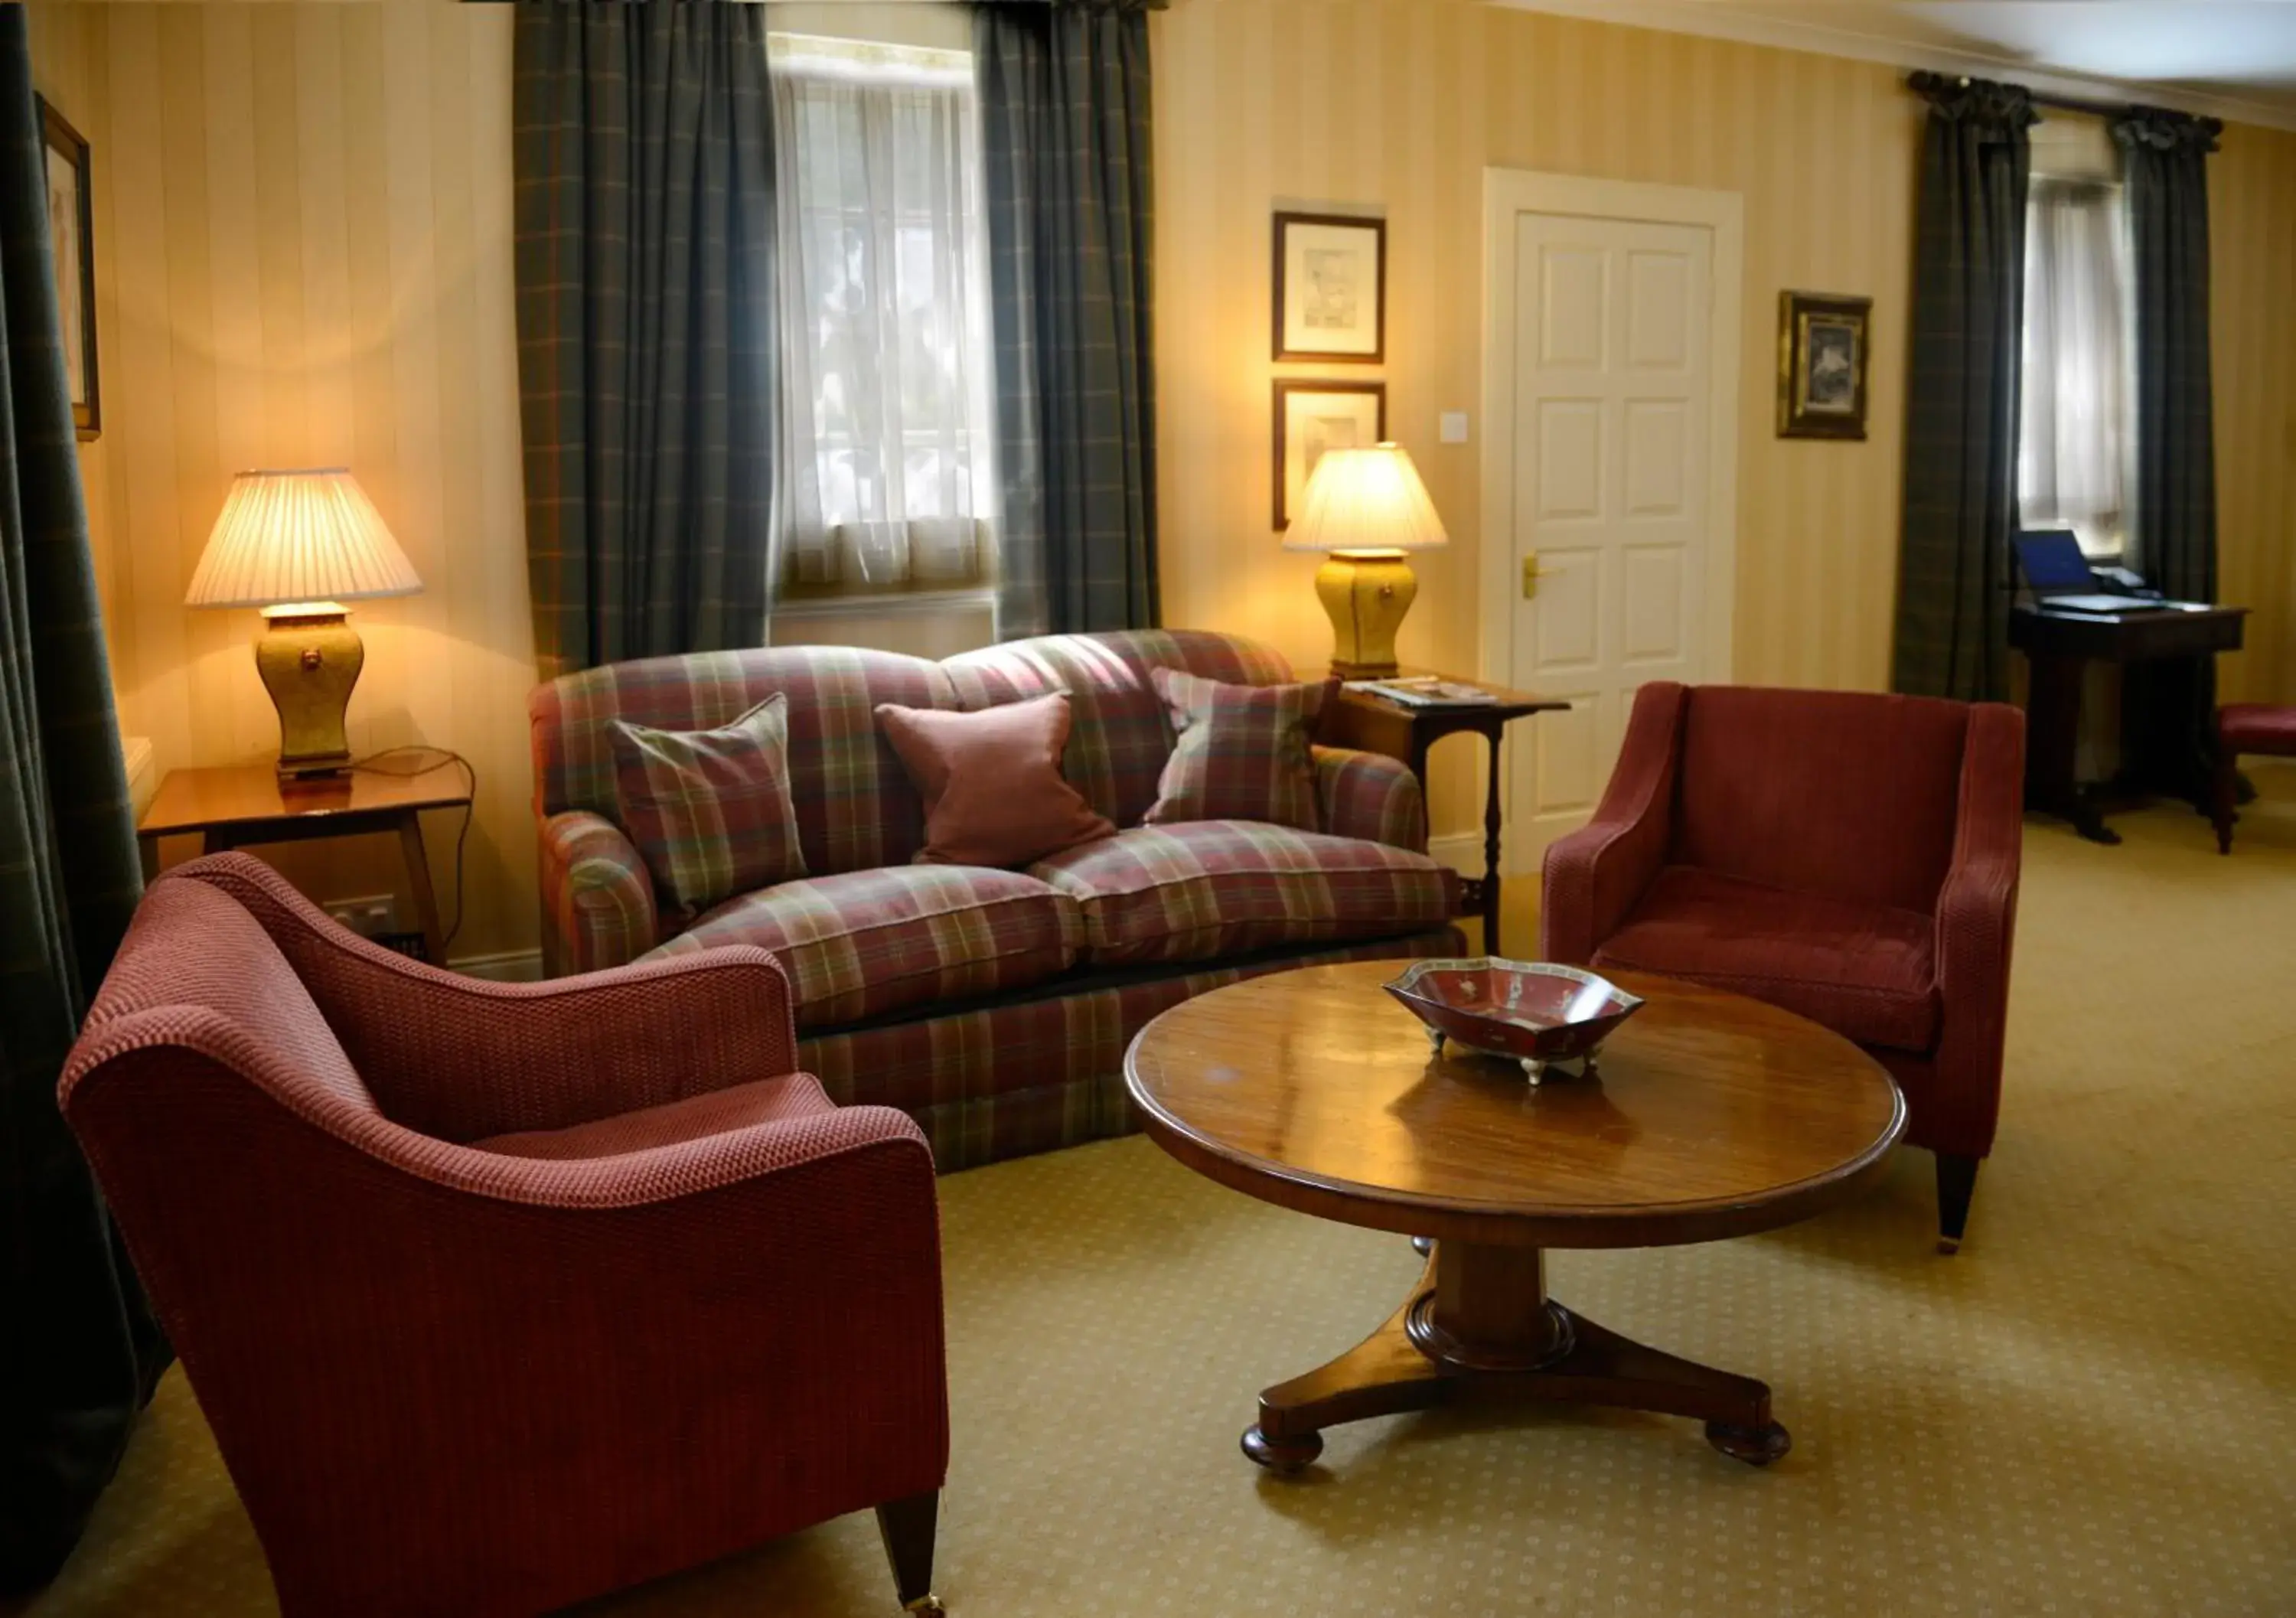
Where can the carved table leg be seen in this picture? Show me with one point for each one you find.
(1479, 1326)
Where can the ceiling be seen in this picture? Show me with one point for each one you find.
(2233, 58)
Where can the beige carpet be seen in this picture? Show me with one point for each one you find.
(2092, 1410)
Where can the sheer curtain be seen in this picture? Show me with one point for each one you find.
(887, 480)
(2073, 445)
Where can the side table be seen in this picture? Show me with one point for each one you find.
(234, 805)
(1373, 723)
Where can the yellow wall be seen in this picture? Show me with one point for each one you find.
(303, 241)
(1402, 104)
(303, 256)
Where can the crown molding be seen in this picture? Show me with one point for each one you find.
(1718, 22)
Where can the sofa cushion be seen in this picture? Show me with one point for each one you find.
(710, 810)
(1243, 752)
(1122, 732)
(1865, 971)
(1203, 889)
(991, 780)
(862, 943)
(855, 810)
(737, 1107)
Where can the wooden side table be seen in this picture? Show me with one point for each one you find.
(239, 804)
(1373, 723)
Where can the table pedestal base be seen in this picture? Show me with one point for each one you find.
(1480, 1328)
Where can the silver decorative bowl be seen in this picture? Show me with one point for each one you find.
(1530, 1011)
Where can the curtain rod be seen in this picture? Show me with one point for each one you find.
(2062, 104)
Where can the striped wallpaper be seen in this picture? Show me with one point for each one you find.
(1401, 104)
(304, 259)
(303, 250)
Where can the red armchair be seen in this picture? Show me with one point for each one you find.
(1848, 856)
(499, 1297)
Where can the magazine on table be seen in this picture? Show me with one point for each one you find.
(1426, 691)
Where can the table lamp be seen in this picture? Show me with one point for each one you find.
(1366, 507)
(299, 545)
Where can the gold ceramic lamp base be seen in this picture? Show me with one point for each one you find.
(309, 657)
(1366, 593)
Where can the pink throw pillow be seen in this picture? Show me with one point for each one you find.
(991, 780)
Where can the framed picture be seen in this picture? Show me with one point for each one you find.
(71, 211)
(1313, 415)
(1821, 345)
(1331, 287)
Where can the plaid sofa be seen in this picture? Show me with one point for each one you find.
(992, 1007)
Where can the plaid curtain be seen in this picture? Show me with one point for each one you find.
(1065, 143)
(79, 1349)
(1954, 578)
(643, 164)
(2168, 709)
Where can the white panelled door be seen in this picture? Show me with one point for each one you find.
(1607, 524)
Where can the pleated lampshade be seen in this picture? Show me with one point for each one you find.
(1365, 500)
(306, 536)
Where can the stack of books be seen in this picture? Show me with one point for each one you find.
(1426, 691)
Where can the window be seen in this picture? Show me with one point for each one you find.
(2074, 432)
(887, 479)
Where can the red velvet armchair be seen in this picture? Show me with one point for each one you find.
(1848, 856)
(499, 1297)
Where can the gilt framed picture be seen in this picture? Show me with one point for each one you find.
(1314, 414)
(1822, 347)
(1331, 287)
(71, 211)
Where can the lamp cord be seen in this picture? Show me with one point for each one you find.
(430, 758)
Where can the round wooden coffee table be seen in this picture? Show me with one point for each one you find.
(1711, 1115)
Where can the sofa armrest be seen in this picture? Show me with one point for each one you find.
(1976, 930)
(1594, 876)
(462, 1058)
(597, 895)
(1372, 796)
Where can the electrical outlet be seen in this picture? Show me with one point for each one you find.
(369, 916)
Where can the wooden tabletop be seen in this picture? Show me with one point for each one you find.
(1712, 1115)
(244, 795)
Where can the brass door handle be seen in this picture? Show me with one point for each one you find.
(1531, 574)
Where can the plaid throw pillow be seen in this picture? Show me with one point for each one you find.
(710, 810)
(1242, 754)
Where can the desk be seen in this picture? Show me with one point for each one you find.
(1372, 723)
(239, 804)
(2059, 644)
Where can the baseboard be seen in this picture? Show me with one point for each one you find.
(1463, 852)
(507, 966)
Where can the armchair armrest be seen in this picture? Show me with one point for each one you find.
(1976, 928)
(1372, 796)
(742, 1332)
(597, 895)
(1594, 876)
(462, 1058)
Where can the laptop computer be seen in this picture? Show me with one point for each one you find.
(2060, 580)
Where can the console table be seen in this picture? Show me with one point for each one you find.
(1372, 723)
(2059, 644)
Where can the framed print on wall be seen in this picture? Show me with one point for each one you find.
(71, 211)
(1313, 415)
(1331, 287)
(1822, 349)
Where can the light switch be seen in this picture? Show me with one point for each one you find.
(1452, 427)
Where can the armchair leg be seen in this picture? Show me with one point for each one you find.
(906, 1527)
(1957, 1182)
(2224, 795)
